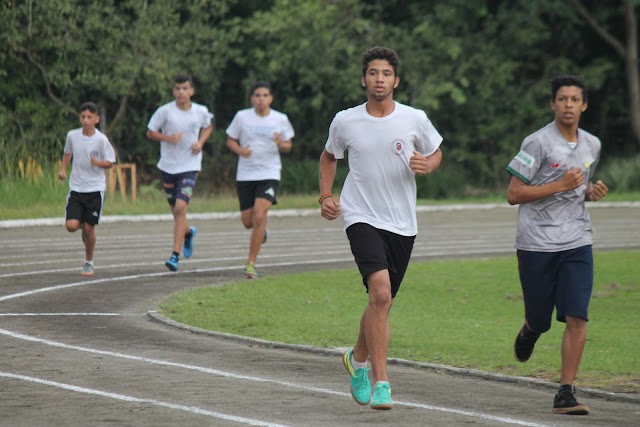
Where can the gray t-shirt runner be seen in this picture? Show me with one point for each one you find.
(561, 221)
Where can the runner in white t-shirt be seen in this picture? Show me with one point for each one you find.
(550, 181)
(182, 127)
(258, 135)
(388, 144)
(91, 153)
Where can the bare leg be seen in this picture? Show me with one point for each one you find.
(89, 240)
(89, 237)
(575, 335)
(255, 219)
(374, 334)
(180, 226)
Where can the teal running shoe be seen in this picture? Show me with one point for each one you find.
(360, 385)
(382, 396)
(250, 272)
(187, 247)
(172, 263)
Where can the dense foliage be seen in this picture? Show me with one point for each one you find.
(479, 68)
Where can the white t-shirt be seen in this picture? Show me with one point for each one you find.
(256, 132)
(380, 189)
(169, 119)
(86, 178)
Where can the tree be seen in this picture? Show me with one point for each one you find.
(627, 51)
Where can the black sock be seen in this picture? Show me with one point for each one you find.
(529, 332)
(176, 254)
(565, 387)
(188, 235)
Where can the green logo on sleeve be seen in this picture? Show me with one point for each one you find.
(525, 158)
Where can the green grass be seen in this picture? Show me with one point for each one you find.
(21, 199)
(459, 313)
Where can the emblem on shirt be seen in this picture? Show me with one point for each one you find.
(398, 146)
(93, 154)
(525, 158)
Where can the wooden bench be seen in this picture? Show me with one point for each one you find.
(117, 177)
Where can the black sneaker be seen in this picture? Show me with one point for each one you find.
(566, 403)
(525, 341)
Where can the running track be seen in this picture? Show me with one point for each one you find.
(78, 352)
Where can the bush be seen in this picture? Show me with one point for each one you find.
(621, 174)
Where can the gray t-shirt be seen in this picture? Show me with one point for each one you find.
(561, 221)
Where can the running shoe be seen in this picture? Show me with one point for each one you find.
(250, 272)
(360, 385)
(172, 262)
(187, 247)
(565, 403)
(88, 270)
(525, 341)
(382, 396)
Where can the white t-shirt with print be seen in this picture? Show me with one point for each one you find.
(169, 119)
(86, 178)
(256, 132)
(380, 189)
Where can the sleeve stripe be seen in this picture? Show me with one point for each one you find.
(517, 175)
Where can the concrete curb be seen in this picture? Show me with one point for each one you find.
(18, 223)
(445, 369)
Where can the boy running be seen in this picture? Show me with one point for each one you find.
(91, 152)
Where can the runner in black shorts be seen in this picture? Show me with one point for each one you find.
(257, 136)
(91, 153)
(388, 144)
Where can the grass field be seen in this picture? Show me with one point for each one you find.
(21, 199)
(459, 313)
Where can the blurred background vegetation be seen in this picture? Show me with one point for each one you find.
(480, 69)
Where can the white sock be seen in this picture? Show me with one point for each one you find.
(88, 262)
(358, 365)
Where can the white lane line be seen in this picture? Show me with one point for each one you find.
(165, 273)
(419, 250)
(57, 314)
(124, 397)
(282, 213)
(288, 384)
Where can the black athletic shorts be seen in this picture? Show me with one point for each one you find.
(85, 207)
(249, 191)
(375, 250)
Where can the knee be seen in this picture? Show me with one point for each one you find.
(380, 299)
(72, 226)
(539, 326)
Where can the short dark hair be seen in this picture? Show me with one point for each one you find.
(89, 106)
(379, 52)
(183, 78)
(259, 84)
(568, 80)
